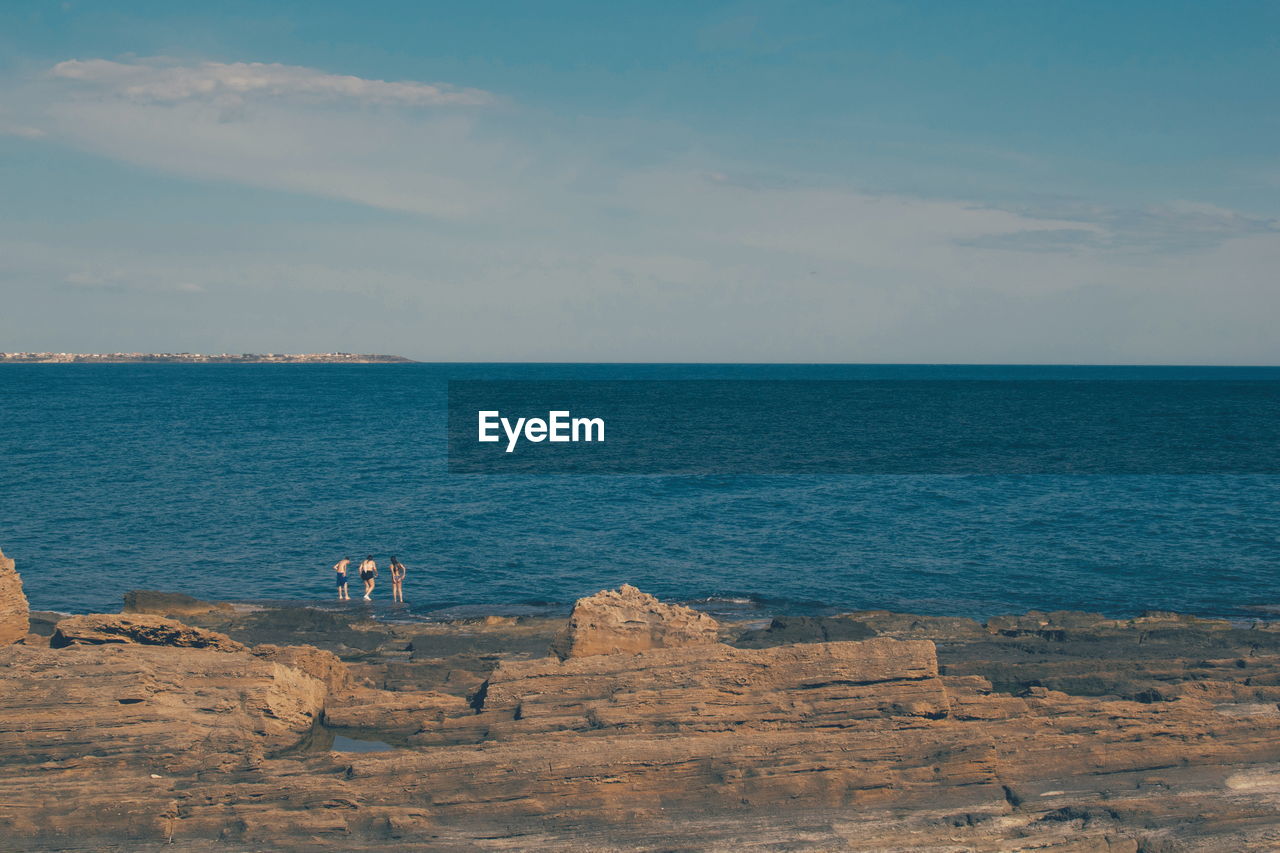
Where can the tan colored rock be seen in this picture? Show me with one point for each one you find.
(705, 688)
(179, 706)
(397, 712)
(13, 604)
(141, 629)
(827, 746)
(327, 667)
(628, 621)
(739, 675)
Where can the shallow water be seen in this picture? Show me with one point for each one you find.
(248, 482)
(342, 743)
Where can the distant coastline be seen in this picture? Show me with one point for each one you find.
(198, 358)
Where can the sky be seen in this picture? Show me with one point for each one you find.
(855, 181)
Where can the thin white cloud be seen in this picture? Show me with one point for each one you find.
(295, 128)
(118, 279)
(545, 244)
(1174, 227)
(21, 131)
(405, 146)
(91, 280)
(159, 80)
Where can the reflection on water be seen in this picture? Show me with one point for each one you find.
(342, 743)
(321, 738)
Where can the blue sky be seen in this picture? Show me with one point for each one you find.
(766, 181)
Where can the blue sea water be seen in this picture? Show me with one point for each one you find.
(248, 482)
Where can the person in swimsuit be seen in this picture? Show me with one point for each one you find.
(368, 571)
(341, 568)
(397, 580)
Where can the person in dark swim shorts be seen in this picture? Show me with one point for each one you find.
(368, 571)
(340, 568)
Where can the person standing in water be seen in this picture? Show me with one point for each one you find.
(397, 580)
(341, 568)
(368, 571)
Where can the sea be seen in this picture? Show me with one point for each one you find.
(247, 483)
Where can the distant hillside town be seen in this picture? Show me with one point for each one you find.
(198, 358)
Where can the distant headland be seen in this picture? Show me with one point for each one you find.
(198, 358)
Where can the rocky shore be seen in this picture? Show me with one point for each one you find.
(633, 725)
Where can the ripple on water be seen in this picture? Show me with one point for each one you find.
(248, 484)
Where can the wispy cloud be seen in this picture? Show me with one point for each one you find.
(21, 131)
(306, 130)
(519, 221)
(1175, 227)
(119, 280)
(405, 146)
(161, 80)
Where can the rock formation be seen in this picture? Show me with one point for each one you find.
(13, 604)
(325, 667)
(803, 629)
(143, 629)
(168, 707)
(394, 712)
(1048, 732)
(173, 604)
(628, 620)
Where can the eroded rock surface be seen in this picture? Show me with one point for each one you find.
(13, 604)
(710, 688)
(325, 667)
(1048, 732)
(784, 630)
(176, 708)
(170, 604)
(628, 620)
(394, 712)
(143, 629)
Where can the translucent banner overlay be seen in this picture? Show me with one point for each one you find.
(718, 427)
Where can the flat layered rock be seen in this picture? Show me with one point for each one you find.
(861, 745)
(96, 629)
(706, 688)
(181, 707)
(324, 666)
(628, 620)
(784, 630)
(171, 604)
(393, 712)
(13, 604)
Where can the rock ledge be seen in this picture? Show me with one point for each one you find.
(13, 604)
(627, 620)
(96, 629)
